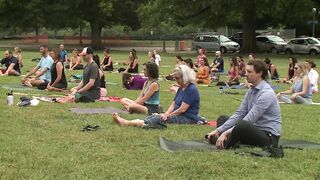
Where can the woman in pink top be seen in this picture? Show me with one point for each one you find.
(201, 55)
(234, 72)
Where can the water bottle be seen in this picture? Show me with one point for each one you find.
(10, 98)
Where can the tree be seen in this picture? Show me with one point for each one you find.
(249, 15)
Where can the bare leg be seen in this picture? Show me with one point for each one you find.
(124, 122)
(137, 108)
(126, 103)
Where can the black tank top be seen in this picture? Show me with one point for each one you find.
(135, 69)
(54, 74)
(106, 61)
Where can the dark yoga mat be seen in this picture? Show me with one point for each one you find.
(106, 110)
(18, 87)
(173, 146)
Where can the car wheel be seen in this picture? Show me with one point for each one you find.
(223, 49)
(274, 51)
(288, 52)
(313, 52)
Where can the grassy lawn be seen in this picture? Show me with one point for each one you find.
(46, 141)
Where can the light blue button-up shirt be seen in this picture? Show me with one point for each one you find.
(260, 107)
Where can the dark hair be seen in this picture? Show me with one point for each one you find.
(241, 58)
(189, 62)
(259, 66)
(134, 54)
(203, 50)
(152, 70)
(253, 55)
(107, 50)
(56, 54)
(234, 61)
(96, 59)
(312, 64)
(179, 57)
(125, 80)
(294, 61)
(44, 46)
(267, 60)
(206, 62)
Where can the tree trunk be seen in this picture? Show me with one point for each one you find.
(248, 23)
(96, 35)
(37, 33)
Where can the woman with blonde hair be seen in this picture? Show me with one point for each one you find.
(300, 91)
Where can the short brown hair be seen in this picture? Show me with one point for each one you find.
(259, 66)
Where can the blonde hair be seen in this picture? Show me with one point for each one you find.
(303, 68)
(188, 75)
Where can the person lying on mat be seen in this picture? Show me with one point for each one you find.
(88, 89)
(41, 71)
(257, 121)
(11, 63)
(149, 100)
(300, 91)
(184, 108)
(58, 78)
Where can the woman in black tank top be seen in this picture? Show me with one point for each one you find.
(58, 78)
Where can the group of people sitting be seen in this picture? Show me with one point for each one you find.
(257, 121)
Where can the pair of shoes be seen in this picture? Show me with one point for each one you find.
(90, 128)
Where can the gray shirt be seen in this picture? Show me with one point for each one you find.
(91, 71)
(260, 107)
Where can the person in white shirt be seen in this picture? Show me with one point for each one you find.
(313, 75)
(158, 57)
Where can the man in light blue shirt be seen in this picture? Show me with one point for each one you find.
(41, 71)
(257, 121)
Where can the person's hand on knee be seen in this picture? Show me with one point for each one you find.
(221, 140)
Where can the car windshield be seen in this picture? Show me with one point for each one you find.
(276, 39)
(313, 41)
(224, 39)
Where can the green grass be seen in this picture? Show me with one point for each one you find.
(45, 142)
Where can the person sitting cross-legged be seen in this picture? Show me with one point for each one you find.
(11, 63)
(149, 100)
(257, 122)
(300, 91)
(58, 78)
(88, 89)
(183, 110)
(41, 71)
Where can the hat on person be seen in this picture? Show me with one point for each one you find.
(86, 50)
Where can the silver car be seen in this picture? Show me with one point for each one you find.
(270, 43)
(305, 45)
(214, 43)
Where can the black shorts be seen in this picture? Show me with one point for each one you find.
(43, 85)
(60, 86)
(153, 108)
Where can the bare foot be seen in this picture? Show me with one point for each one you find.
(118, 119)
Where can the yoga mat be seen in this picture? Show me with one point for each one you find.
(111, 83)
(173, 146)
(106, 110)
(18, 87)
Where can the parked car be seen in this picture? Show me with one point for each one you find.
(214, 43)
(305, 45)
(270, 43)
(238, 37)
